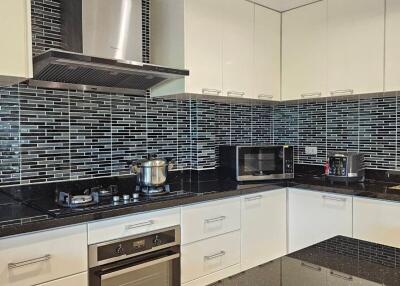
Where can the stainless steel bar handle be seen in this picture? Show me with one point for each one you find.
(325, 197)
(141, 224)
(211, 91)
(312, 267)
(209, 220)
(216, 255)
(311, 94)
(44, 258)
(236, 93)
(342, 92)
(343, 276)
(268, 96)
(254, 198)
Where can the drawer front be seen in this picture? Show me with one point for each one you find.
(132, 225)
(206, 220)
(210, 255)
(74, 280)
(40, 257)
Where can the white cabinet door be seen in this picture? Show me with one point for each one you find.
(74, 280)
(314, 217)
(263, 219)
(238, 48)
(203, 46)
(355, 46)
(267, 50)
(377, 221)
(16, 48)
(392, 66)
(304, 56)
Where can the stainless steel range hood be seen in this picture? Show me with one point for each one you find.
(102, 50)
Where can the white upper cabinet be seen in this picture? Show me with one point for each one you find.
(238, 48)
(392, 72)
(304, 52)
(355, 46)
(16, 36)
(267, 50)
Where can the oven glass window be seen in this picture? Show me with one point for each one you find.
(160, 274)
(260, 161)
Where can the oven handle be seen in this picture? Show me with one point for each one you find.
(140, 266)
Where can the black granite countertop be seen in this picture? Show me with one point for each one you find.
(16, 216)
(334, 262)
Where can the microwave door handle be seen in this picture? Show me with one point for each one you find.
(259, 160)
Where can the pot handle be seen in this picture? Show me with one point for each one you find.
(171, 163)
(134, 166)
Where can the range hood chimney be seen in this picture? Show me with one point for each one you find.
(102, 50)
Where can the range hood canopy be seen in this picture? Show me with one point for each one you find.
(102, 50)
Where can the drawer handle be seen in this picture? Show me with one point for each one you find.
(256, 198)
(211, 91)
(216, 255)
(312, 94)
(334, 198)
(345, 277)
(342, 92)
(29, 262)
(210, 220)
(237, 93)
(312, 267)
(141, 224)
(268, 96)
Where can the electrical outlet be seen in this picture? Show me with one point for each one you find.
(311, 150)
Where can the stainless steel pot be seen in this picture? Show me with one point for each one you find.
(152, 172)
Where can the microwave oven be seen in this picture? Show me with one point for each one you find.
(255, 163)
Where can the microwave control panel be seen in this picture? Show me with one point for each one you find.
(289, 164)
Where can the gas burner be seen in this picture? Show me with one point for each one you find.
(103, 192)
(152, 191)
(78, 201)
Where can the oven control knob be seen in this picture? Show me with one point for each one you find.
(157, 240)
(119, 250)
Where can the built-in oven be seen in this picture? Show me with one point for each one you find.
(142, 260)
(262, 162)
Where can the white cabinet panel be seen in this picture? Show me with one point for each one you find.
(392, 65)
(263, 227)
(74, 280)
(16, 50)
(314, 217)
(304, 52)
(267, 50)
(238, 48)
(376, 221)
(40, 257)
(355, 46)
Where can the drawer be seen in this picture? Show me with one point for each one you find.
(210, 255)
(205, 220)
(76, 280)
(131, 225)
(40, 257)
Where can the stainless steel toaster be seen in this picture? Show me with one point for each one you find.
(346, 166)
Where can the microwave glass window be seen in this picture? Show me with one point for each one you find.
(260, 161)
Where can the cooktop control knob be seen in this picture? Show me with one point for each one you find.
(119, 250)
(126, 197)
(157, 240)
(116, 199)
(135, 195)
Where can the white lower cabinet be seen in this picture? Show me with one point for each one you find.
(44, 256)
(377, 221)
(314, 217)
(263, 227)
(211, 259)
(74, 280)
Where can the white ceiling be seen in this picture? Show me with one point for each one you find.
(283, 5)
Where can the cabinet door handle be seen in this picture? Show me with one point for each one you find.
(44, 258)
(236, 93)
(311, 95)
(141, 224)
(211, 91)
(342, 92)
(312, 267)
(268, 96)
(259, 197)
(342, 276)
(216, 255)
(210, 220)
(325, 197)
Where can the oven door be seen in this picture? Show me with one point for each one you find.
(259, 163)
(161, 269)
